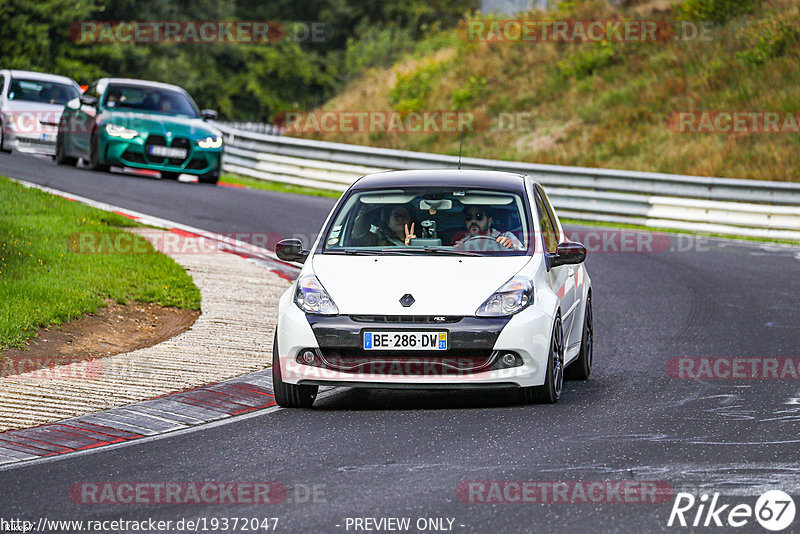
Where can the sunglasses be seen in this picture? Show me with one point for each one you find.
(476, 216)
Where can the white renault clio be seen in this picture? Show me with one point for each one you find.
(436, 279)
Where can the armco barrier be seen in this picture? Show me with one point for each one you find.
(729, 206)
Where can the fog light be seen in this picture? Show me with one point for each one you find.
(307, 357)
(509, 359)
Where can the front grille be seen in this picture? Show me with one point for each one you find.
(180, 142)
(411, 319)
(407, 363)
(197, 163)
(36, 141)
(151, 141)
(133, 157)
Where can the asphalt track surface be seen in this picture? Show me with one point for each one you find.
(381, 453)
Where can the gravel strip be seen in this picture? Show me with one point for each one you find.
(232, 336)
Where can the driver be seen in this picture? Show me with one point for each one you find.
(479, 222)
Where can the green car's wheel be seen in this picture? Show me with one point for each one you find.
(94, 155)
(61, 156)
(209, 178)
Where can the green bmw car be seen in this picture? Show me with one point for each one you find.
(140, 124)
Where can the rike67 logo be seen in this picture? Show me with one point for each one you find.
(774, 510)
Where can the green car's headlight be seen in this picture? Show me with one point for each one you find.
(211, 141)
(120, 131)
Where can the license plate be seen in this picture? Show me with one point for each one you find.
(167, 152)
(405, 340)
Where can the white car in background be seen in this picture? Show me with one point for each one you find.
(30, 108)
(438, 279)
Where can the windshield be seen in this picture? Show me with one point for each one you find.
(41, 91)
(149, 100)
(430, 220)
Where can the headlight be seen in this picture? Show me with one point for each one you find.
(10, 123)
(120, 131)
(211, 141)
(514, 296)
(311, 297)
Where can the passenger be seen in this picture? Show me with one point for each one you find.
(479, 222)
(397, 229)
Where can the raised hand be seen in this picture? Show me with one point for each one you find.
(409, 233)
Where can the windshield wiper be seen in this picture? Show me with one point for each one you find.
(439, 250)
(355, 252)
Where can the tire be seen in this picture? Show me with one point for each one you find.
(209, 178)
(550, 391)
(168, 175)
(2, 142)
(289, 395)
(581, 368)
(94, 155)
(61, 157)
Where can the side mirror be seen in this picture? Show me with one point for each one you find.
(88, 100)
(567, 253)
(291, 250)
(208, 114)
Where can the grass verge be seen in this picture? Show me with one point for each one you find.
(43, 282)
(278, 186)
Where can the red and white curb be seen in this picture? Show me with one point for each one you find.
(165, 414)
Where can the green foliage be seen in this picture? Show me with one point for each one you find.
(411, 90)
(588, 59)
(241, 81)
(472, 90)
(376, 46)
(717, 11)
(770, 40)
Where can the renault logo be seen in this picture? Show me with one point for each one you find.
(407, 300)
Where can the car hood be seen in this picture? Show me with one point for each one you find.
(440, 285)
(161, 124)
(47, 114)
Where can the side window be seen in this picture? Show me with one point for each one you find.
(546, 224)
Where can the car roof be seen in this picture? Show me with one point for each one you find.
(142, 83)
(41, 76)
(505, 181)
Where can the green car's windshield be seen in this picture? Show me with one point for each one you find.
(430, 220)
(41, 91)
(149, 100)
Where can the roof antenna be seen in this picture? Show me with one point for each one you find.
(460, 144)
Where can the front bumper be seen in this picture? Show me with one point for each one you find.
(133, 153)
(33, 143)
(473, 358)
